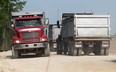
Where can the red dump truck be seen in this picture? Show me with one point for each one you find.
(84, 33)
(29, 34)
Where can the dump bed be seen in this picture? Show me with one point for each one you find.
(86, 26)
(21, 14)
(53, 32)
(92, 25)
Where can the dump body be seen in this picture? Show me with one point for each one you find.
(87, 26)
(86, 33)
(29, 34)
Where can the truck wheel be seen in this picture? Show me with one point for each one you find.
(14, 53)
(51, 46)
(72, 48)
(102, 51)
(47, 51)
(69, 49)
(106, 50)
(74, 52)
(65, 51)
(65, 48)
(99, 51)
(79, 52)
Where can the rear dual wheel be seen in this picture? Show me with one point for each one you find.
(51, 46)
(79, 52)
(106, 51)
(102, 51)
(74, 51)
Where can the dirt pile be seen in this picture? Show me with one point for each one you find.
(113, 45)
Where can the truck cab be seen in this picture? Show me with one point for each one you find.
(29, 34)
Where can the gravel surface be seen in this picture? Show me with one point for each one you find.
(60, 63)
(57, 63)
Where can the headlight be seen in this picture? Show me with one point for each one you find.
(43, 39)
(17, 41)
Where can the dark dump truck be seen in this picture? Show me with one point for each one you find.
(84, 33)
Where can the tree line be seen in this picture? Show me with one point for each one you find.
(6, 7)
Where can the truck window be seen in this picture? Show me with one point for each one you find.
(26, 23)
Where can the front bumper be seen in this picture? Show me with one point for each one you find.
(30, 46)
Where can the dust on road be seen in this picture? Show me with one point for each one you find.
(58, 63)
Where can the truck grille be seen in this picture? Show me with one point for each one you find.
(30, 35)
(30, 40)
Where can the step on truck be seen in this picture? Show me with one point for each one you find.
(29, 35)
(84, 33)
(53, 33)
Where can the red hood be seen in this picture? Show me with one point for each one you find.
(26, 29)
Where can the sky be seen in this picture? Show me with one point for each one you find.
(54, 8)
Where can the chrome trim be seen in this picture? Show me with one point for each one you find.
(32, 45)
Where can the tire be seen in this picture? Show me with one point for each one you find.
(79, 52)
(69, 49)
(14, 53)
(47, 51)
(65, 48)
(73, 51)
(106, 50)
(100, 51)
(51, 46)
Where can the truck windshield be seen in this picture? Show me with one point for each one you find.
(30, 22)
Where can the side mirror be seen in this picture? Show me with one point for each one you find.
(58, 24)
(12, 25)
(46, 21)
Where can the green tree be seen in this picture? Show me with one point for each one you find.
(6, 7)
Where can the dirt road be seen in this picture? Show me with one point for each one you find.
(57, 63)
(60, 63)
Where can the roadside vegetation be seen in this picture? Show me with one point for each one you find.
(6, 7)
